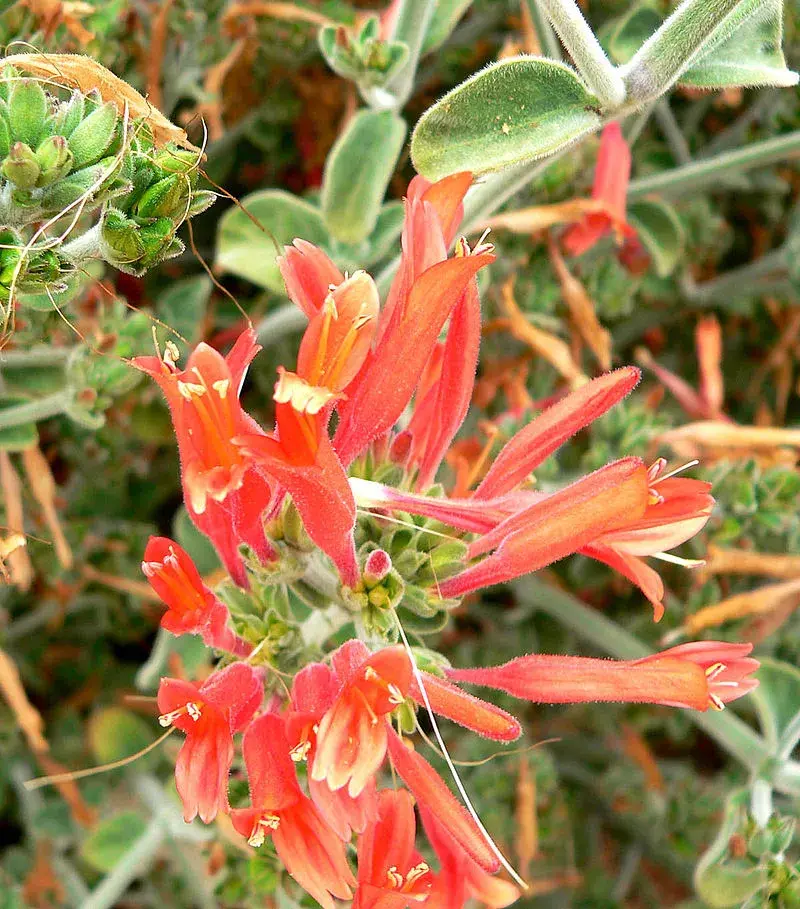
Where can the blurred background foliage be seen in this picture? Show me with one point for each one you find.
(615, 805)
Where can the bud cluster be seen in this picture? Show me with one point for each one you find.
(63, 158)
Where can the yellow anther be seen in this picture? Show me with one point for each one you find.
(715, 670)
(189, 390)
(300, 751)
(191, 709)
(221, 387)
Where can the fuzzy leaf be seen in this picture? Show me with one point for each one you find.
(182, 305)
(660, 231)
(116, 733)
(20, 437)
(513, 111)
(777, 698)
(358, 171)
(249, 251)
(631, 31)
(446, 17)
(112, 839)
(751, 56)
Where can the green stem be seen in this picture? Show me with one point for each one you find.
(285, 320)
(671, 49)
(86, 246)
(766, 274)
(672, 132)
(596, 69)
(33, 411)
(35, 357)
(735, 736)
(548, 40)
(705, 173)
(413, 19)
(789, 738)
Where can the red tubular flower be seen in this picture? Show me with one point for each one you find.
(698, 675)
(314, 690)
(677, 510)
(556, 526)
(461, 878)
(224, 491)
(391, 873)
(308, 275)
(611, 187)
(548, 432)
(303, 461)
(450, 701)
(440, 411)
(351, 738)
(192, 607)
(312, 853)
(429, 788)
(209, 714)
(426, 291)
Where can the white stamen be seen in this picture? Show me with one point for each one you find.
(221, 387)
(678, 470)
(677, 560)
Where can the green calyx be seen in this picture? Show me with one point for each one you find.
(67, 156)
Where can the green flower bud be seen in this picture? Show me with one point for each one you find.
(200, 202)
(102, 176)
(69, 114)
(44, 270)
(157, 239)
(406, 717)
(11, 243)
(21, 166)
(760, 842)
(55, 159)
(120, 238)
(782, 835)
(166, 199)
(92, 138)
(27, 111)
(173, 160)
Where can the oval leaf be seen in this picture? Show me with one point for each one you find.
(116, 733)
(21, 436)
(751, 56)
(514, 111)
(660, 231)
(111, 840)
(631, 31)
(777, 698)
(249, 251)
(358, 171)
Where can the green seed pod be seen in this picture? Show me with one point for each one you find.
(21, 166)
(55, 160)
(120, 239)
(166, 199)
(69, 114)
(27, 111)
(93, 136)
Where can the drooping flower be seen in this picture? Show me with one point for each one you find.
(391, 873)
(209, 714)
(428, 788)
(224, 490)
(611, 187)
(677, 509)
(301, 458)
(314, 690)
(460, 878)
(698, 675)
(352, 735)
(192, 607)
(311, 852)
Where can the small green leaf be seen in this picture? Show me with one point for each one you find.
(182, 305)
(777, 698)
(751, 56)
(660, 231)
(358, 171)
(27, 111)
(17, 438)
(111, 840)
(92, 137)
(249, 251)
(116, 733)
(446, 17)
(631, 31)
(512, 112)
(386, 233)
(194, 542)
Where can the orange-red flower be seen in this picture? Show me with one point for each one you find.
(460, 878)
(610, 187)
(677, 509)
(311, 852)
(698, 675)
(224, 490)
(209, 714)
(391, 873)
(192, 607)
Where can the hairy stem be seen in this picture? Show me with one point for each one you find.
(33, 411)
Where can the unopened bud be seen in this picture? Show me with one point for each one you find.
(27, 111)
(176, 160)
(93, 136)
(55, 159)
(377, 566)
(21, 166)
(166, 199)
(400, 448)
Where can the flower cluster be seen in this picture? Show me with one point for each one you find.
(315, 753)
